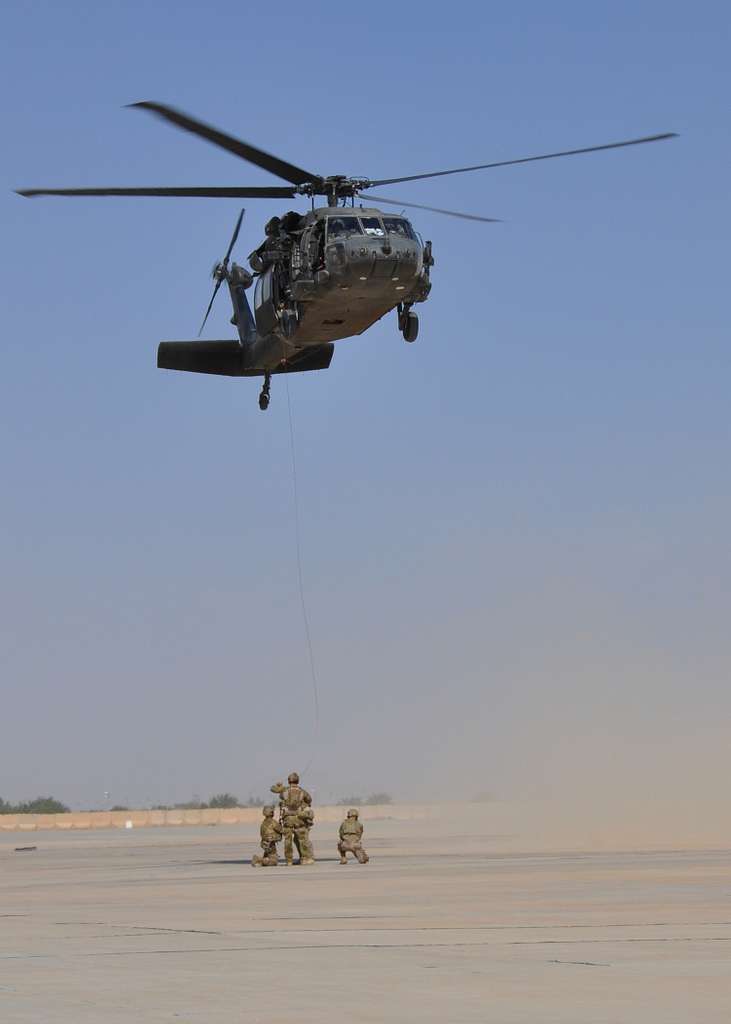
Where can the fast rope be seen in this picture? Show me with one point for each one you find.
(303, 603)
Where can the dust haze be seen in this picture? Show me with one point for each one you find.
(592, 705)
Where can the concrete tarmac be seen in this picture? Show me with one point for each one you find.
(442, 926)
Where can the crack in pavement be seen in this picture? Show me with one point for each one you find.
(580, 963)
(363, 945)
(138, 927)
(399, 928)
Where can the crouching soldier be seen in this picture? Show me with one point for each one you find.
(271, 834)
(351, 833)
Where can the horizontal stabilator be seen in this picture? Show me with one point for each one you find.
(229, 358)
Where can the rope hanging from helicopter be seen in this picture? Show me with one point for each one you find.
(300, 583)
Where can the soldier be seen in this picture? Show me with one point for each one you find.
(308, 820)
(295, 814)
(272, 248)
(271, 834)
(351, 832)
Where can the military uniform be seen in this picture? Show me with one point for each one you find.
(351, 833)
(271, 834)
(296, 816)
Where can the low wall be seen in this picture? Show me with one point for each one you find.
(78, 820)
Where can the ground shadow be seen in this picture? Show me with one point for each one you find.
(247, 860)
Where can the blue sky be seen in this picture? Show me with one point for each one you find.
(514, 531)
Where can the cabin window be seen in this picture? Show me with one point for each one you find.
(339, 226)
(266, 286)
(372, 226)
(264, 309)
(398, 226)
(263, 290)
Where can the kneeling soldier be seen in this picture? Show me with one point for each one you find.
(351, 833)
(271, 834)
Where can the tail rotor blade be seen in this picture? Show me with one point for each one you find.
(233, 238)
(210, 305)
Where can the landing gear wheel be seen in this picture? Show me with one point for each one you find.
(264, 394)
(410, 329)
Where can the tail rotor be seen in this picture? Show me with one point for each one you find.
(220, 271)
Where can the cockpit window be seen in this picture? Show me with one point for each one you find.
(338, 226)
(372, 226)
(398, 226)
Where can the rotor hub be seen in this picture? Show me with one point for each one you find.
(335, 186)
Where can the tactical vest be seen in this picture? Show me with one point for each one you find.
(293, 799)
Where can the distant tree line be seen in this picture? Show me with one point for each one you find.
(50, 805)
(217, 801)
(41, 805)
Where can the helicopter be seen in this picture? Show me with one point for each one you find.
(318, 277)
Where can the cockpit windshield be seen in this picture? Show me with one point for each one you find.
(372, 226)
(341, 226)
(398, 226)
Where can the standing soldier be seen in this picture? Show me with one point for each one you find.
(295, 814)
(308, 820)
(271, 834)
(351, 833)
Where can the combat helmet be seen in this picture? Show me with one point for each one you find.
(293, 778)
(352, 813)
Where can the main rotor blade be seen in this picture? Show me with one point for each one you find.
(281, 168)
(278, 192)
(527, 159)
(432, 209)
(210, 304)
